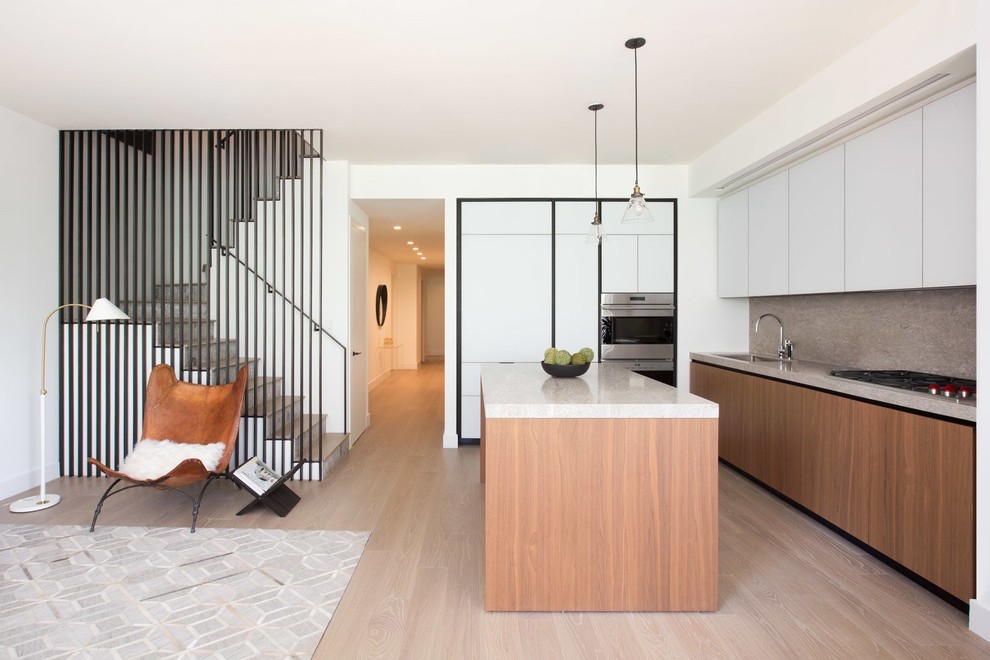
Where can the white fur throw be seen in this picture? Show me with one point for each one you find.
(151, 459)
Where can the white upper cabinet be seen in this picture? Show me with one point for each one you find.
(816, 254)
(662, 212)
(505, 217)
(883, 207)
(573, 217)
(655, 263)
(620, 258)
(733, 245)
(950, 189)
(505, 310)
(576, 299)
(768, 237)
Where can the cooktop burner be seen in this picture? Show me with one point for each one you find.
(915, 381)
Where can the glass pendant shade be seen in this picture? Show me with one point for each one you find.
(596, 233)
(636, 211)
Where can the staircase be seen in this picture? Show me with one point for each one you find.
(186, 338)
(243, 281)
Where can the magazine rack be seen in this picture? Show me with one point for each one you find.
(271, 490)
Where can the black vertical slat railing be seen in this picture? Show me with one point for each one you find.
(212, 241)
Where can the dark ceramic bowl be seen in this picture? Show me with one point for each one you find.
(565, 370)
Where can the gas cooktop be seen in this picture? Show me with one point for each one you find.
(947, 386)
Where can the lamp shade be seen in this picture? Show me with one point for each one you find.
(104, 310)
(636, 211)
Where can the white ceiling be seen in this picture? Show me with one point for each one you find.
(430, 81)
(421, 221)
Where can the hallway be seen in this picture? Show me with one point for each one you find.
(787, 586)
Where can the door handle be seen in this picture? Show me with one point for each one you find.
(355, 353)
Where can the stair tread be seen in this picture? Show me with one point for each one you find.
(299, 425)
(331, 441)
(210, 341)
(271, 407)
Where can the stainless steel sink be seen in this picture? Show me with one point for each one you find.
(748, 357)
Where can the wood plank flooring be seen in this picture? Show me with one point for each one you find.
(788, 588)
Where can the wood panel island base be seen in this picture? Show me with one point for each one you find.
(601, 492)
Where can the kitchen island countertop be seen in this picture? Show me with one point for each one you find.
(606, 391)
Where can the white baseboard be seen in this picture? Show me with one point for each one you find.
(26, 481)
(377, 380)
(979, 618)
(409, 365)
(450, 441)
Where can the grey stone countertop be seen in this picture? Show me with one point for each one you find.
(815, 374)
(524, 390)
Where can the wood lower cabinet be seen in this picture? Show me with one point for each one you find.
(901, 482)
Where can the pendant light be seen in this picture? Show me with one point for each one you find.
(597, 232)
(636, 211)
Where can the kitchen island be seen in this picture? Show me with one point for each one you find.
(601, 492)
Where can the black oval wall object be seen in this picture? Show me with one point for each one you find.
(381, 304)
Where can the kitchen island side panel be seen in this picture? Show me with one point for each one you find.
(601, 514)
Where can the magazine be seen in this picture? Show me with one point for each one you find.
(256, 475)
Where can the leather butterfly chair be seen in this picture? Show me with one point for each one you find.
(186, 414)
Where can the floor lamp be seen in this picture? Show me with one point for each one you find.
(101, 310)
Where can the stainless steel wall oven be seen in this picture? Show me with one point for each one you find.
(638, 332)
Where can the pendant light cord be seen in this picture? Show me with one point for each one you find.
(636, 106)
(596, 154)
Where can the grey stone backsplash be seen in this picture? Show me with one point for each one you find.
(931, 330)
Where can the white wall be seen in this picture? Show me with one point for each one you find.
(381, 361)
(29, 269)
(433, 315)
(705, 322)
(336, 293)
(923, 37)
(979, 612)
(406, 310)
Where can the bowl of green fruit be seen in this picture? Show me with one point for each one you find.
(563, 364)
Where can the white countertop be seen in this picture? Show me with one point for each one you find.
(815, 374)
(524, 390)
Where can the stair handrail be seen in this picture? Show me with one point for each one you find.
(229, 251)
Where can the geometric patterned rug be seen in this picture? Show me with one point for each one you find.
(153, 592)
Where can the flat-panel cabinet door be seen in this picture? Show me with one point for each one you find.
(573, 217)
(883, 207)
(768, 237)
(656, 263)
(816, 254)
(662, 212)
(505, 217)
(733, 245)
(470, 416)
(620, 270)
(505, 298)
(471, 378)
(576, 301)
(950, 189)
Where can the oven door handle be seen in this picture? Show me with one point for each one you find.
(636, 311)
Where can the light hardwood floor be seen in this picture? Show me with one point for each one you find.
(788, 588)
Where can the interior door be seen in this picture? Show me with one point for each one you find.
(358, 414)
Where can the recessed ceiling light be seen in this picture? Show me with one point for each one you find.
(420, 253)
(397, 227)
(409, 242)
(423, 258)
(415, 248)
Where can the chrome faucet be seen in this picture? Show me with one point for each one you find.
(785, 349)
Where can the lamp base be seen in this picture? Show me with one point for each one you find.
(34, 503)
